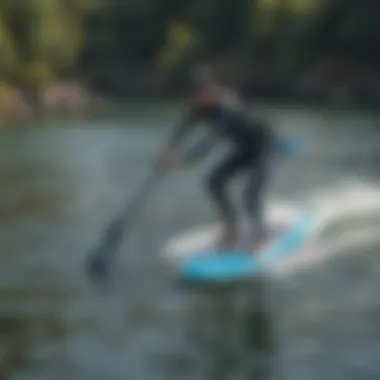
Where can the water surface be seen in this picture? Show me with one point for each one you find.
(61, 185)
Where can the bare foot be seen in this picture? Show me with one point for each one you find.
(228, 238)
(255, 244)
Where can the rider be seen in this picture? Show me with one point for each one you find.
(252, 141)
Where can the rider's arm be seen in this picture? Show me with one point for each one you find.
(181, 130)
(203, 147)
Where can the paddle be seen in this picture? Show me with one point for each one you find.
(101, 257)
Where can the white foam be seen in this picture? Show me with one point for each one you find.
(346, 199)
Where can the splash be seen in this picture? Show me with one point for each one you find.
(347, 215)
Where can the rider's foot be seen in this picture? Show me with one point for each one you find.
(228, 238)
(255, 243)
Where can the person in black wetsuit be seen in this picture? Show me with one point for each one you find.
(252, 142)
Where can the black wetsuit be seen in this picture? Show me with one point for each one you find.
(252, 142)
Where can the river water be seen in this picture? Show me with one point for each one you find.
(317, 317)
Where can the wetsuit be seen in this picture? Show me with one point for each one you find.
(252, 142)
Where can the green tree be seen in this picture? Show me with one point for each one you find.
(41, 38)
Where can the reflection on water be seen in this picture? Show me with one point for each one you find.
(25, 339)
(60, 187)
(231, 326)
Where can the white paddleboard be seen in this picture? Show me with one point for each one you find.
(194, 256)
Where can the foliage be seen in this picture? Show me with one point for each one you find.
(40, 38)
(43, 39)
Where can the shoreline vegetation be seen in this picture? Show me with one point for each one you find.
(65, 57)
(60, 98)
(72, 98)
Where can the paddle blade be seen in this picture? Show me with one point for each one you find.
(98, 266)
(101, 257)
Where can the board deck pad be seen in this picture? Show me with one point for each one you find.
(211, 265)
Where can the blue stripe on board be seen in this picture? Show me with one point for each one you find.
(213, 266)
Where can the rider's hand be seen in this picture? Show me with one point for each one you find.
(169, 161)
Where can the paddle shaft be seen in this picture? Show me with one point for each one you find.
(120, 225)
(105, 250)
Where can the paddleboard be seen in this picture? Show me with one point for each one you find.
(196, 259)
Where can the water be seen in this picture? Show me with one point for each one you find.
(317, 316)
